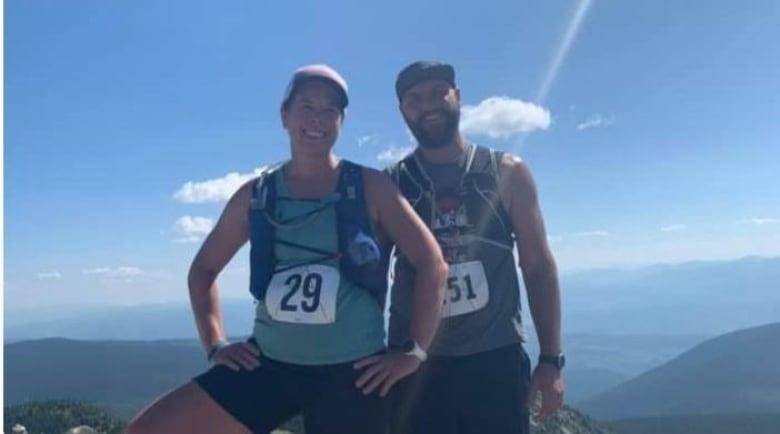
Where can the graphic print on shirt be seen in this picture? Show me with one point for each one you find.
(467, 287)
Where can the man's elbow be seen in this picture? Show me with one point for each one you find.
(537, 272)
(540, 264)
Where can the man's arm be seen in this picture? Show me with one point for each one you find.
(228, 235)
(519, 195)
(398, 220)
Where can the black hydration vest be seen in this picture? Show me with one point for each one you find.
(479, 192)
(362, 259)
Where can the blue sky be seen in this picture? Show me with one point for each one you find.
(651, 127)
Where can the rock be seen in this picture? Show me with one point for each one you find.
(83, 429)
(568, 421)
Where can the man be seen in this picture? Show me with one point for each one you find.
(479, 204)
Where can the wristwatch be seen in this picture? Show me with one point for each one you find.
(557, 360)
(214, 348)
(410, 347)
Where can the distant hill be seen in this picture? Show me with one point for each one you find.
(143, 322)
(701, 424)
(734, 373)
(124, 376)
(618, 323)
(55, 417)
(588, 382)
(596, 363)
(696, 298)
(120, 375)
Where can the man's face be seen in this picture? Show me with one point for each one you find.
(431, 109)
(313, 117)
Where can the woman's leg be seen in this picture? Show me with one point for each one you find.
(223, 401)
(337, 406)
(188, 409)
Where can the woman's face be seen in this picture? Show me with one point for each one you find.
(313, 118)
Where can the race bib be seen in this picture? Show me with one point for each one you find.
(467, 289)
(304, 295)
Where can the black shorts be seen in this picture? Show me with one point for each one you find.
(273, 393)
(479, 393)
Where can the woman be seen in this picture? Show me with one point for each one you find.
(318, 273)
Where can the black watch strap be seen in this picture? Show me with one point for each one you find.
(557, 360)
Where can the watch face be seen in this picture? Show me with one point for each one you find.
(407, 345)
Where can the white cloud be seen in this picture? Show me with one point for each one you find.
(193, 229)
(760, 220)
(394, 154)
(116, 272)
(51, 275)
(410, 135)
(596, 233)
(596, 121)
(366, 140)
(214, 190)
(672, 228)
(500, 117)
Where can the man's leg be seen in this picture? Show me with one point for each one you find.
(423, 402)
(494, 397)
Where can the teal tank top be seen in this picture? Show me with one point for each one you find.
(310, 315)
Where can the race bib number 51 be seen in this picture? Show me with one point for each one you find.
(467, 289)
(304, 295)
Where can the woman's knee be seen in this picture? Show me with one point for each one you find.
(160, 413)
(137, 426)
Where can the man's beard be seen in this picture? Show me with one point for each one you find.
(440, 136)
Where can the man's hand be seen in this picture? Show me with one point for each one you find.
(546, 380)
(238, 355)
(384, 370)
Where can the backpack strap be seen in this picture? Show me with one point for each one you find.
(363, 260)
(415, 187)
(264, 192)
(482, 180)
(262, 233)
(351, 201)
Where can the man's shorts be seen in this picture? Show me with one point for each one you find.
(480, 393)
(266, 397)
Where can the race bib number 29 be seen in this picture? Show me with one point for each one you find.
(467, 289)
(304, 295)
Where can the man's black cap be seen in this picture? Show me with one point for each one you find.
(420, 71)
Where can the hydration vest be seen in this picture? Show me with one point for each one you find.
(479, 191)
(362, 259)
(474, 231)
